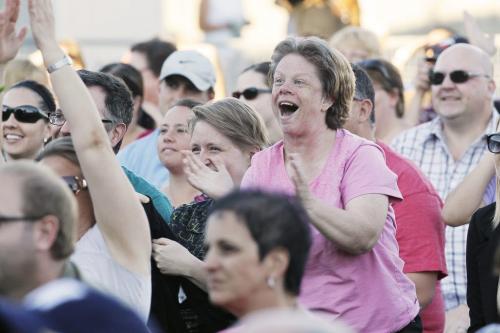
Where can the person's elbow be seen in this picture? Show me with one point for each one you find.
(425, 298)
(452, 219)
(425, 285)
(364, 241)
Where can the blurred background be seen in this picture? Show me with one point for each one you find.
(104, 30)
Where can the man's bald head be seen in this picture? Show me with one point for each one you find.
(468, 55)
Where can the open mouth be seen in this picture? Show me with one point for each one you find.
(287, 108)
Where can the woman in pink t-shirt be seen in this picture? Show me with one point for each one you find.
(353, 271)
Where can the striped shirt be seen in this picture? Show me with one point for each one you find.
(425, 146)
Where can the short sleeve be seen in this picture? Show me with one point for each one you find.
(420, 233)
(366, 172)
(248, 179)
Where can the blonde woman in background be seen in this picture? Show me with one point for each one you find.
(23, 69)
(356, 43)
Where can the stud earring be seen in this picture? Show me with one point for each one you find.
(271, 282)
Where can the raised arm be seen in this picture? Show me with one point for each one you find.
(467, 197)
(10, 42)
(118, 213)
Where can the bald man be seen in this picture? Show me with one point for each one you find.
(448, 147)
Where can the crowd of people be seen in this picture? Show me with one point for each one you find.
(314, 199)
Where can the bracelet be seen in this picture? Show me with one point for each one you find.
(65, 61)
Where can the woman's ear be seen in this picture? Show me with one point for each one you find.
(394, 97)
(276, 262)
(326, 104)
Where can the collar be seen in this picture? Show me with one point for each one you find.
(434, 128)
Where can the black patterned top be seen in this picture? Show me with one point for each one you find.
(188, 225)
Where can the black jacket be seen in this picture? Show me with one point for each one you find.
(482, 283)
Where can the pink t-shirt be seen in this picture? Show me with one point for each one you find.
(420, 231)
(369, 292)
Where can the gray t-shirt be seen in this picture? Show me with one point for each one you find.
(100, 270)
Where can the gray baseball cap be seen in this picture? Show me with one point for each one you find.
(192, 65)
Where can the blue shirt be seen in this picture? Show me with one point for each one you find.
(159, 200)
(141, 157)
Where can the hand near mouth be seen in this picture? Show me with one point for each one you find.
(214, 183)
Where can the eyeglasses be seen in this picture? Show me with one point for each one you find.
(6, 219)
(57, 119)
(23, 113)
(458, 76)
(379, 66)
(250, 93)
(493, 142)
(75, 183)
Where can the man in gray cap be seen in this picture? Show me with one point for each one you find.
(185, 74)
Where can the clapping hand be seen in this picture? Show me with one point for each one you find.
(10, 41)
(43, 30)
(214, 183)
(299, 180)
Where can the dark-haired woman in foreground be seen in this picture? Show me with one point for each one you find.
(25, 119)
(257, 246)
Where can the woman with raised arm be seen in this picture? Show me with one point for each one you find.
(346, 187)
(483, 238)
(10, 42)
(113, 251)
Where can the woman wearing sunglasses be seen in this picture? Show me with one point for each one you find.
(25, 121)
(483, 239)
(113, 247)
(253, 88)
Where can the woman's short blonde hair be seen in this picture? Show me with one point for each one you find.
(334, 71)
(356, 38)
(235, 120)
(22, 70)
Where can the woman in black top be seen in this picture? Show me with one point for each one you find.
(482, 242)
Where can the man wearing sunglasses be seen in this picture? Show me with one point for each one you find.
(448, 147)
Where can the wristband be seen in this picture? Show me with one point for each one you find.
(65, 61)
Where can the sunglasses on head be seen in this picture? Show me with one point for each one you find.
(378, 66)
(250, 93)
(24, 113)
(493, 142)
(75, 183)
(458, 76)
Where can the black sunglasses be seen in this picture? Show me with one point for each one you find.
(24, 113)
(250, 93)
(458, 76)
(7, 219)
(493, 142)
(75, 183)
